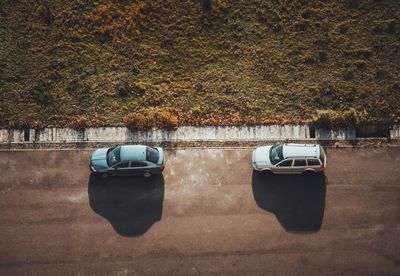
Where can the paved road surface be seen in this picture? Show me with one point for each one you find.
(207, 215)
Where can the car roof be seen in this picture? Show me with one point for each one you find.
(133, 153)
(300, 150)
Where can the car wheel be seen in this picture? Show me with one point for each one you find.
(147, 174)
(267, 172)
(103, 175)
(309, 172)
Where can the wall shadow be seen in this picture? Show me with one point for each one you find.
(131, 204)
(298, 201)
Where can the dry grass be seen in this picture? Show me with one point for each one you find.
(220, 62)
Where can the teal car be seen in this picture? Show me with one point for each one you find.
(127, 160)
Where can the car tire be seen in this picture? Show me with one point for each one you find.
(266, 172)
(147, 174)
(309, 173)
(103, 175)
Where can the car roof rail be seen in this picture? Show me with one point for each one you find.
(300, 145)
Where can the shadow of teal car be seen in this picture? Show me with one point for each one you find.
(127, 160)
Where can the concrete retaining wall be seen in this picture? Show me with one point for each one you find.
(184, 133)
(338, 134)
(395, 132)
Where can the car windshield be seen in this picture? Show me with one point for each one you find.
(275, 154)
(114, 156)
(152, 155)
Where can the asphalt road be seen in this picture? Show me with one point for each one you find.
(208, 214)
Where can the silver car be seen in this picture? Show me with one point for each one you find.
(289, 158)
(127, 160)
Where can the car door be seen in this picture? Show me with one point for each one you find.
(283, 167)
(138, 167)
(122, 168)
(299, 165)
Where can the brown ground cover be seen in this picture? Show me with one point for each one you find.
(181, 62)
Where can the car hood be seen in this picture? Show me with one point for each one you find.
(98, 158)
(261, 156)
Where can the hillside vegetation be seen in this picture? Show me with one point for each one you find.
(180, 62)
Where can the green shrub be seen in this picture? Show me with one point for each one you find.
(364, 53)
(41, 92)
(360, 64)
(343, 27)
(123, 89)
(333, 119)
(140, 87)
(323, 56)
(207, 5)
(301, 25)
(309, 58)
(348, 75)
(385, 26)
(43, 14)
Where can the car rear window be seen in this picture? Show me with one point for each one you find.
(313, 162)
(152, 155)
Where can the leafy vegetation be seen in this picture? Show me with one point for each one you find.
(195, 62)
(153, 118)
(332, 119)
